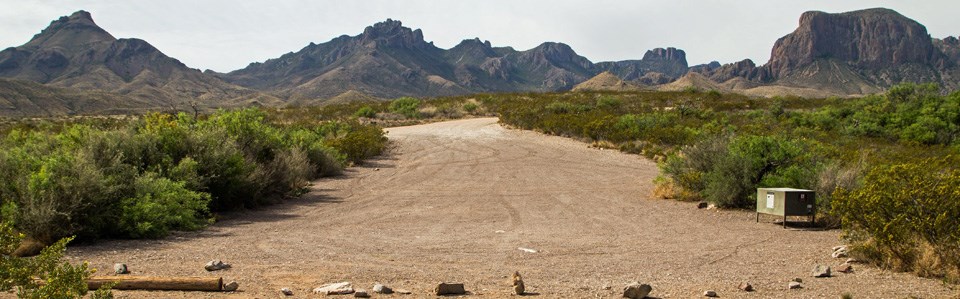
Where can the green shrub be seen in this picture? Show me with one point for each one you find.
(159, 205)
(406, 106)
(470, 107)
(365, 111)
(61, 279)
(904, 216)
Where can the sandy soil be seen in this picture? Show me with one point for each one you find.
(454, 201)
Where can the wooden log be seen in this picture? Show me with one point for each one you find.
(213, 284)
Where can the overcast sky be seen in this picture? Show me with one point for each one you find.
(225, 35)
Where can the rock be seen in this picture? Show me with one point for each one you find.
(709, 293)
(711, 207)
(361, 294)
(820, 271)
(382, 289)
(798, 279)
(29, 247)
(528, 250)
(839, 253)
(852, 261)
(450, 289)
(340, 288)
(286, 292)
(702, 205)
(403, 291)
(120, 268)
(795, 285)
(845, 268)
(230, 287)
(745, 286)
(838, 247)
(518, 287)
(637, 290)
(216, 265)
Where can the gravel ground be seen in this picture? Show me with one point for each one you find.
(454, 201)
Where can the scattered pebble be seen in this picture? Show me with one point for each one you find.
(286, 292)
(709, 293)
(361, 294)
(450, 289)
(794, 285)
(820, 271)
(120, 268)
(745, 286)
(637, 290)
(340, 288)
(798, 279)
(382, 289)
(230, 287)
(845, 268)
(215, 265)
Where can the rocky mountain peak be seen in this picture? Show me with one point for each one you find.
(391, 33)
(872, 39)
(668, 54)
(69, 31)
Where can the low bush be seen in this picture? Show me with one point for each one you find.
(904, 216)
(165, 172)
(60, 279)
(406, 106)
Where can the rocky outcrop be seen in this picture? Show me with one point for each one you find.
(669, 62)
(722, 73)
(870, 39)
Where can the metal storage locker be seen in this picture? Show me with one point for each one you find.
(787, 202)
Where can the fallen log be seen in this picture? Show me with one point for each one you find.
(213, 284)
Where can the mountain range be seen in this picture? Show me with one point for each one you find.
(76, 67)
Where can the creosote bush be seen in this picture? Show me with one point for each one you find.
(165, 172)
(905, 216)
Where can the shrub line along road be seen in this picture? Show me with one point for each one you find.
(454, 202)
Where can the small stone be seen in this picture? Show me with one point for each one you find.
(403, 291)
(120, 268)
(845, 268)
(215, 265)
(709, 293)
(839, 254)
(230, 287)
(340, 288)
(361, 294)
(852, 261)
(820, 271)
(702, 205)
(711, 207)
(838, 247)
(450, 289)
(794, 285)
(798, 279)
(286, 292)
(382, 289)
(637, 290)
(745, 286)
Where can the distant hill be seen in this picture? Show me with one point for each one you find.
(852, 53)
(74, 52)
(606, 81)
(79, 67)
(389, 60)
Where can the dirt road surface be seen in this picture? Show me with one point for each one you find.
(453, 202)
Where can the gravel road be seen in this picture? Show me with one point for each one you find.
(454, 201)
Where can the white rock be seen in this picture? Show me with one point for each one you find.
(340, 288)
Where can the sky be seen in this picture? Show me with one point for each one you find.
(225, 35)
